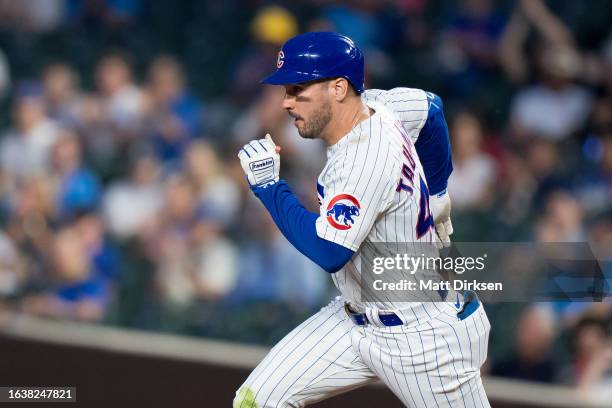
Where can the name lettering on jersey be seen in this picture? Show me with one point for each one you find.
(425, 220)
(342, 211)
(406, 182)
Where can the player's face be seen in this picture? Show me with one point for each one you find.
(310, 106)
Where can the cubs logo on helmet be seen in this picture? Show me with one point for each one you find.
(342, 211)
(280, 60)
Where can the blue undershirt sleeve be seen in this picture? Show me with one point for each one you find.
(433, 147)
(298, 225)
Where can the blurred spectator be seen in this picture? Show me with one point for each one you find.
(25, 149)
(113, 118)
(110, 12)
(194, 261)
(550, 29)
(132, 203)
(31, 15)
(358, 20)
(555, 107)
(270, 28)
(469, 45)
(122, 101)
(590, 279)
(78, 293)
(176, 217)
(532, 358)
(532, 171)
(543, 159)
(518, 187)
(273, 25)
(598, 276)
(78, 189)
(218, 195)
(30, 223)
(175, 113)
(215, 260)
(594, 188)
(104, 257)
(12, 269)
(64, 102)
(474, 172)
(591, 365)
(373, 28)
(562, 220)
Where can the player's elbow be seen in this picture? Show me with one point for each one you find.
(335, 258)
(332, 266)
(327, 254)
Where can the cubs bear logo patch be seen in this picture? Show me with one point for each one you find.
(342, 211)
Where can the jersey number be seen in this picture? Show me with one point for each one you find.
(425, 219)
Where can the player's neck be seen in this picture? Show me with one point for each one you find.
(345, 119)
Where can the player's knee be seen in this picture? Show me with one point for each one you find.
(251, 397)
(245, 398)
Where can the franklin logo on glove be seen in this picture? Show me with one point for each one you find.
(262, 164)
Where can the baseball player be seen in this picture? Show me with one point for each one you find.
(388, 161)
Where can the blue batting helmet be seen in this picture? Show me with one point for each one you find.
(318, 55)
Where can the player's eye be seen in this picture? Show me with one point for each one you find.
(294, 90)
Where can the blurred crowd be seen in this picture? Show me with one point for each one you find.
(121, 200)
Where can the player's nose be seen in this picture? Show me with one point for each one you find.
(288, 102)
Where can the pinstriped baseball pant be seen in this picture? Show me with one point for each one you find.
(433, 363)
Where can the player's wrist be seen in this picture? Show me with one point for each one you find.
(264, 185)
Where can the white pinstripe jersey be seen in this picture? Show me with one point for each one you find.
(370, 188)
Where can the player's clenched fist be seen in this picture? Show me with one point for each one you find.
(260, 161)
(440, 206)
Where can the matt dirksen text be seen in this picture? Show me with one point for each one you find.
(406, 285)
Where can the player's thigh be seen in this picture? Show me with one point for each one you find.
(455, 349)
(435, 363)
(473, 344)
(313, 362)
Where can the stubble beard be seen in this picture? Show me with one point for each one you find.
(317, 122)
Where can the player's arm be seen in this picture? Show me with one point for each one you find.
(433, 147)
(261, 162)
(434, 151)
(421, 115)
(298, 225)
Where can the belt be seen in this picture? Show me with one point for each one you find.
(360, 319)
(470, 305)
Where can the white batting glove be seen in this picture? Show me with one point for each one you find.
(440, 205)
(260, 161)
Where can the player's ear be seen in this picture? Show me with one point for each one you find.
(339, 88)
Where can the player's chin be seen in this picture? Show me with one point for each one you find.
(305, 135)
(301, 130)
